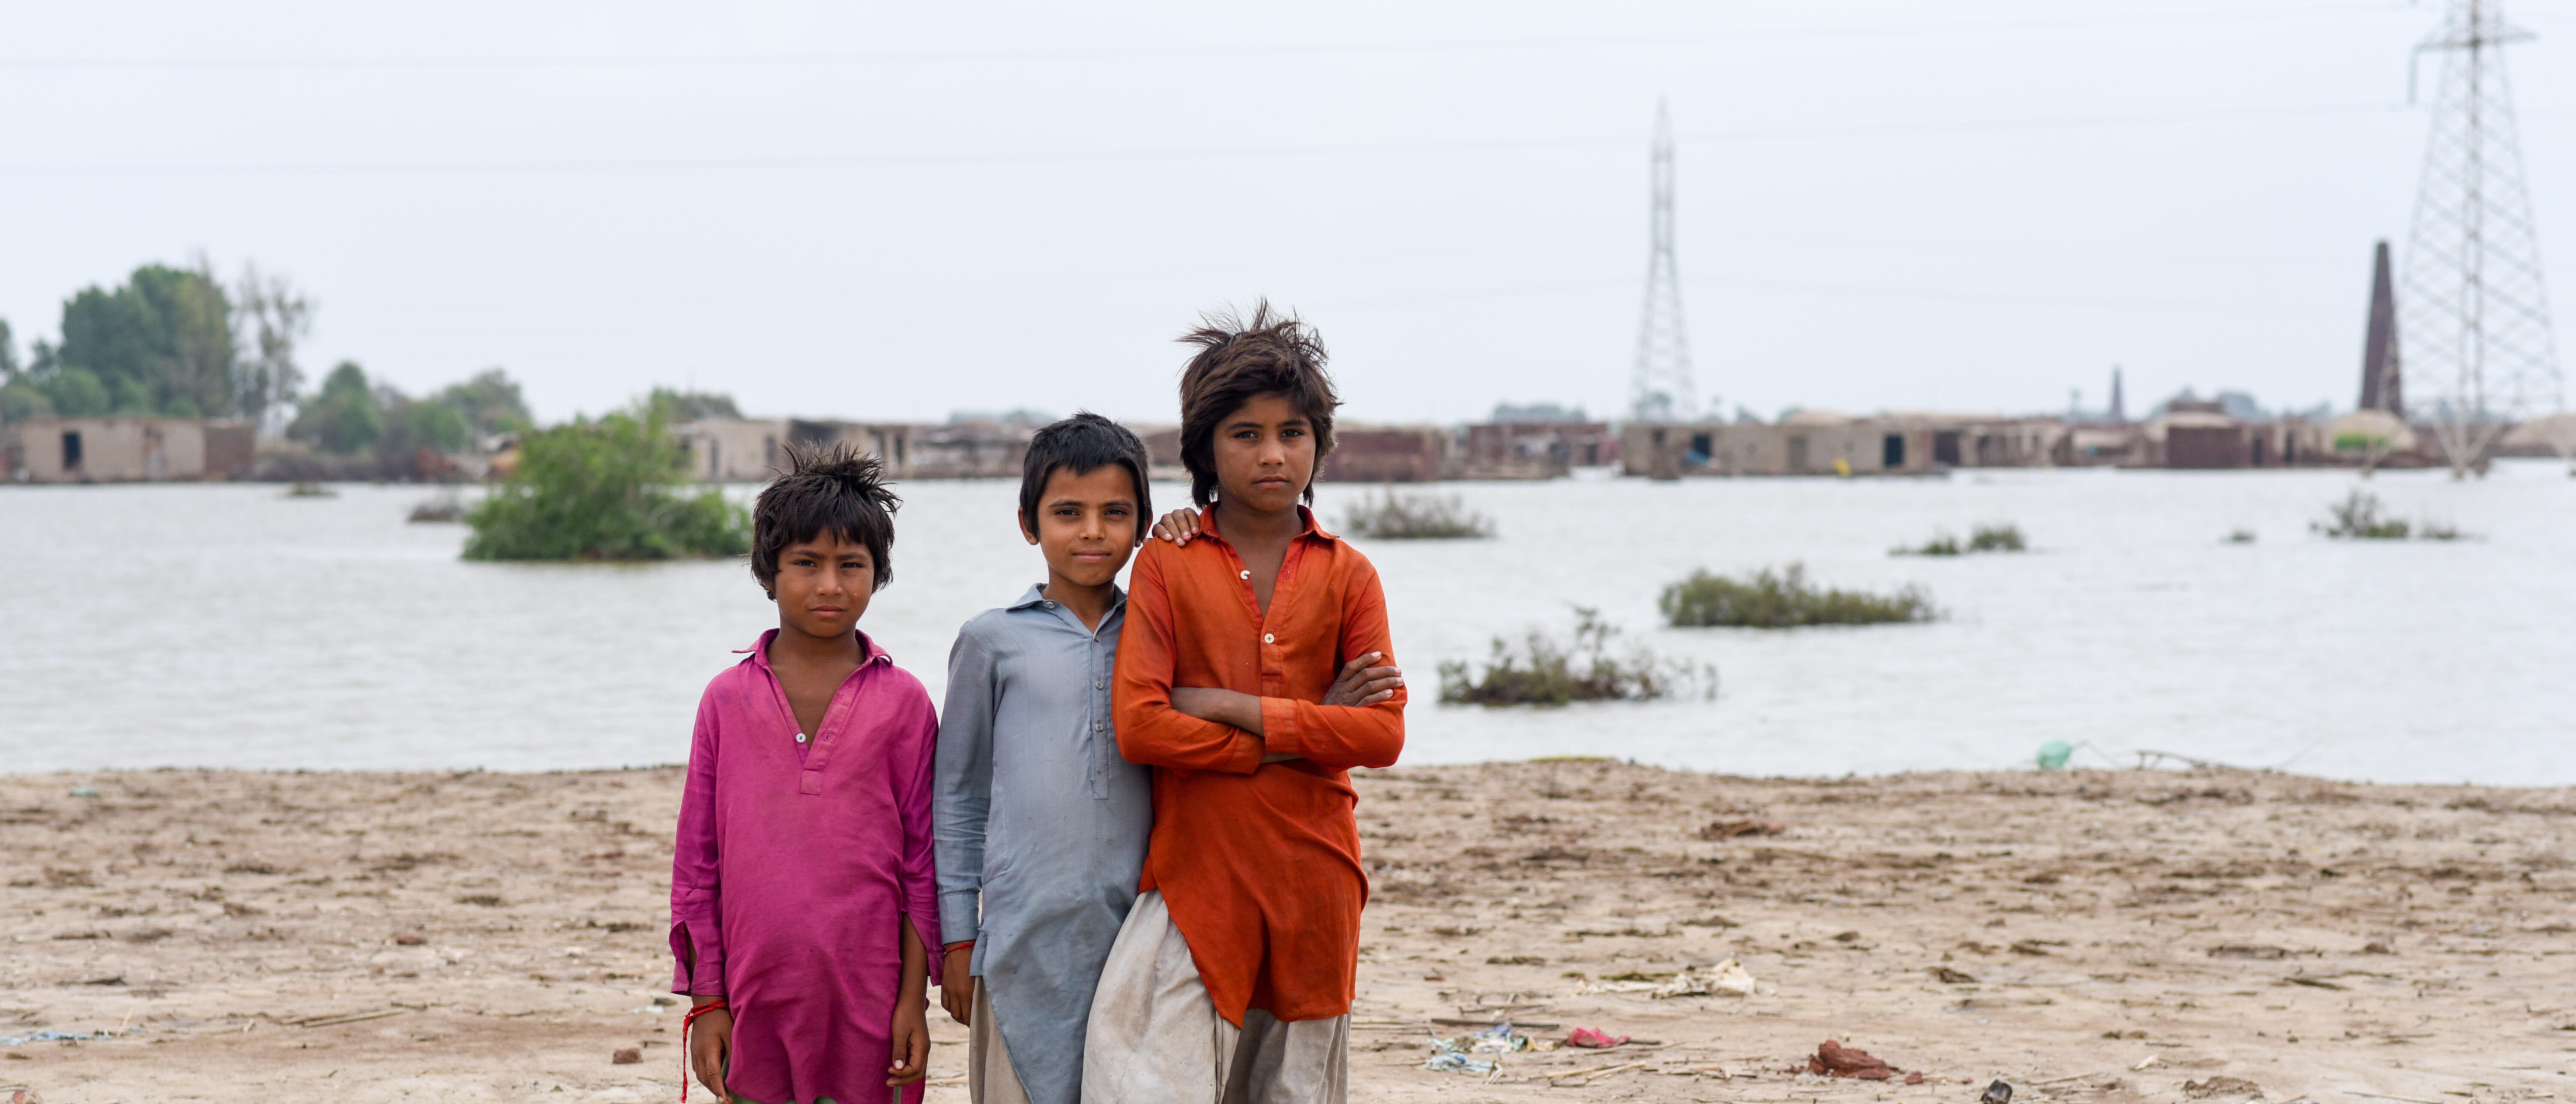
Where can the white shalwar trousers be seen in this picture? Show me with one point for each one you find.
(1156, 1038)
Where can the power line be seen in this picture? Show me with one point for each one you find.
(1236, 50)
(1040, 157)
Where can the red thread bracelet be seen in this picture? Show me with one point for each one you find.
(686, 1022)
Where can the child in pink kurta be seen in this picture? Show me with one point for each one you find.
(800, 857)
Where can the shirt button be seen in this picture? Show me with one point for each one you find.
(1266, 638)
(800, 737)
(1244, 574)
(1095, 726)
(1096, 684)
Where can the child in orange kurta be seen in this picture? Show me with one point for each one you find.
(1244, 679)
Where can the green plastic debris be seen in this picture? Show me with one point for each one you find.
(2054, 754)
(84, 791)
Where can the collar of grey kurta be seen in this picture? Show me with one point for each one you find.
(1041, 825)
(1036, 599)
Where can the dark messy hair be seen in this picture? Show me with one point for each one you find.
(834, 489)
(1240, 360)
(1083, 444)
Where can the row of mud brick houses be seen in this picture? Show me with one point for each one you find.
(2186, 435)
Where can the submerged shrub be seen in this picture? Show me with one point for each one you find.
(1784, 599)
(1415, 517)
(603, 490)
(1997, 538)
(1984, 538)
(1548, 672)
(2358, 517)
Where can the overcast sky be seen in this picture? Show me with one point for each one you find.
(897, 211)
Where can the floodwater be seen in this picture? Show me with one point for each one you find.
(232, 626)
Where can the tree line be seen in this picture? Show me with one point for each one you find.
(184, 343)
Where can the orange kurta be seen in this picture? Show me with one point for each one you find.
(1260, 865)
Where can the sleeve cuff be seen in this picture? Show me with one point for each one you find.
(698, 959)
(960, 913)
(1280, 733)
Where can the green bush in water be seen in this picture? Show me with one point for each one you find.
(1984, 538)
(2357, 518)
(603, 490)
(1997, 538)
(1415, 517)
(1547, 672)
(1784, 599)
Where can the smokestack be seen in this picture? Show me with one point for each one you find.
(2381, 386)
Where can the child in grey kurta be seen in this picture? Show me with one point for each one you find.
(1041, 826)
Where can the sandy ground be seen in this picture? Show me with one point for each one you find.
(2088, 936)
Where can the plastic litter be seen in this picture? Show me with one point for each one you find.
(1450, 1061)
(1498, 1039)
(2054, 754)
(84, 791)
(1998, 1093)
(1728, 978)
(51, 1036)
(1452, 1055)
(1590, 1039)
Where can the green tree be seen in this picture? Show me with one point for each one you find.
(490, 402)
(689, 406)
(346, 417)
(78, 393)
(415, 424)
(603, 490)
(160, 344)
(20, 398)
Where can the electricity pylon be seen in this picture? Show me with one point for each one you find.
(1662, 391)
(2477, 339)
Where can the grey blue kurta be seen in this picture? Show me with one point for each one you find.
(1041, 826)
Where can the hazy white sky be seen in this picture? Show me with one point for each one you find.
(896, 211)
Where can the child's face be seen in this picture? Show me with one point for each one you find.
(823, 585)
(1265, 454)
(1086, 523)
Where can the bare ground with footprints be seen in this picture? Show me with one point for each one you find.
(2087, 936)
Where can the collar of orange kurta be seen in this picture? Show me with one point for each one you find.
(867, 647)
(1308, 527)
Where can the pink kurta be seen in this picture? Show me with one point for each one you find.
(795, 866)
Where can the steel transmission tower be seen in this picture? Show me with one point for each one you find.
(1662, 391)
(2476, 333)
